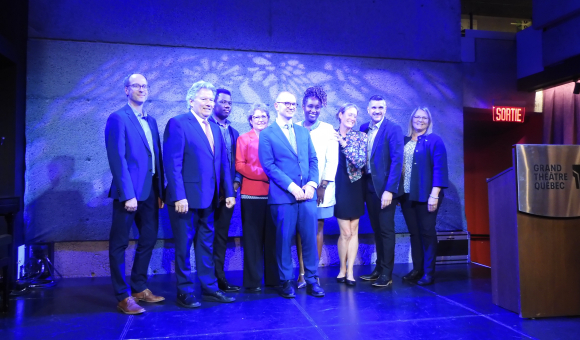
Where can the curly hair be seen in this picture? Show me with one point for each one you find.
(316, 92)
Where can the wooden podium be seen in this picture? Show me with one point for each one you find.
(534, 226)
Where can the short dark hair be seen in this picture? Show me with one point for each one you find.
(224, 91)
(377, 98)
(316, 92)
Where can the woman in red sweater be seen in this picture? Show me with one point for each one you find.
(259, 232)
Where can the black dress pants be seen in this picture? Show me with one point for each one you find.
(259, 242)
(221, 223)
(147, 220)
(383, 224)
(421, 225)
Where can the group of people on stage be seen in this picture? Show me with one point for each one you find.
(292, 177)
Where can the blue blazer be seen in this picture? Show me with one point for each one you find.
(429, 167)
(130, 157)
(283, 166)
(386, 157)
(192, 170)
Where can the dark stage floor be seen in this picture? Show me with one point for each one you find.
(457, 306)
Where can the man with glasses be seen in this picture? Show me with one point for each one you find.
(198, 173)
(133, 150)
(223, 215)
(289, 159)
(383, 173)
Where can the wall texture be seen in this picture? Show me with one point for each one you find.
(79, 54)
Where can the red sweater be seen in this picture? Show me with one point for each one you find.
(255, 181)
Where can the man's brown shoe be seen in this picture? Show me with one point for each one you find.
(147, 296)
(130, 306)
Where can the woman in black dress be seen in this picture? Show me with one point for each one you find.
(349, 189)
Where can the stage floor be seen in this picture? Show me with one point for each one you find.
(457, 306)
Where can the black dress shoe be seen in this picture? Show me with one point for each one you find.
(253, 289)
(217, 296)
(287, 290)
(373, 276)
(341, 279)
(425, 280)
(187, 300)
(350, 283)
(413, 275)
(383, 281)
(224, 285)
(315, 290)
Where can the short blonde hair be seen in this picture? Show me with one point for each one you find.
(429, 127)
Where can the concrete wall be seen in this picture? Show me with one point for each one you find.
(415, 29)
(79, 54)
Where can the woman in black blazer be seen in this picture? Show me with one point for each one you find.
(424, 176)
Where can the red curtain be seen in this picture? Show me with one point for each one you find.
(561, 115)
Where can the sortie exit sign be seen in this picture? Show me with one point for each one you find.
(509, 114)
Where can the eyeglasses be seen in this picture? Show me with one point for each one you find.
(138, 87)
(259, 117)
(421, 118)
(288, 104)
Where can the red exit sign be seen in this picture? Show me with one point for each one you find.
(509, 114)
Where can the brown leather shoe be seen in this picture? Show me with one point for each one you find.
(147, 296)
(130, 306)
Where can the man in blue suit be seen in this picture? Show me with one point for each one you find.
(134, 153)
(196, 164)
(383, 172)
(289, 159)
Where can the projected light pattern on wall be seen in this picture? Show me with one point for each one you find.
(73, 87)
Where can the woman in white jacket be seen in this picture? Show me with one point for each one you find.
(326, 146)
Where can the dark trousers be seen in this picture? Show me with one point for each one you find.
(147, 220)
(383, 224)
(221, 223)
(184, 227)
(259, 242)
(288, 219)
(421, 224)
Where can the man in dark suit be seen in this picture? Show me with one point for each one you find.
(223, 215)
(133, 150)
(196, 163)
(383, 172)
(289, 159)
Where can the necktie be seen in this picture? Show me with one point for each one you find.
(209, 135)
(291, 136)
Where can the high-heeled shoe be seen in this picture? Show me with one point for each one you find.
(341, 279)
(300, 283)
(351, 283)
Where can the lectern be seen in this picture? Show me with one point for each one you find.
(534, 227)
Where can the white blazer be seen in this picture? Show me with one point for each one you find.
(327, 153)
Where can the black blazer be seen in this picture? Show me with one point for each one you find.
(386, 157)
(429, 167)
(234, 134)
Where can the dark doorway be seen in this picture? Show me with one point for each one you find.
(487, 149)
